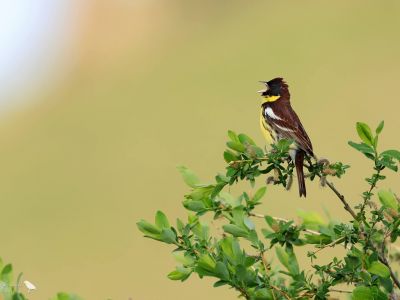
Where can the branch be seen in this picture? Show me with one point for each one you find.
(332, 244)
(340, 291)
(341, 198)
(347, 207)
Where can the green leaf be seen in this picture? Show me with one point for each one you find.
(365, 134)
(379, 269)
(288, 259)
(6, 274)
(168, 236)
(222, 271)
(181, 273)
(233, 136)
(311, 219)
(244, 139)
(392, 153)
(196, 206)
(207, 263)
(188, 176)
(388, 199)
(161, 220)
(184, 259)
(362, 293)
(229, 156)
(18, 296)
(235, 230)
(380, 127)
(66, 296)
(147, 228)
(364, 148)
(236, 146)
(259, 194)
(284, 144)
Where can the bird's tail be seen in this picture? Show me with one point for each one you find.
(299, 160)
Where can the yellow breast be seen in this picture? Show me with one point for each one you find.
(266, 129)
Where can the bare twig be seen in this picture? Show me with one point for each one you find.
(340, 291)
(342, 199)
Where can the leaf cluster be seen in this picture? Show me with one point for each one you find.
(242, 256)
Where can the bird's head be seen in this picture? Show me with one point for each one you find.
(275, 89)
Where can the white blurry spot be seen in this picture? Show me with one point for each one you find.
(29, 285)
(34, 41)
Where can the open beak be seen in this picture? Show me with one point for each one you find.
(263, 91)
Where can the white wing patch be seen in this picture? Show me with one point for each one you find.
(284, 128)
(270, 113)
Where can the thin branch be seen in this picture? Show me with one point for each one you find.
(284, 220)
(332, 244)
(284, 294)
(340, 291)
(342, 199)
(392, 274)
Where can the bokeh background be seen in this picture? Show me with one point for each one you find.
(101, 100)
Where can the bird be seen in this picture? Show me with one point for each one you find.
(278, 121)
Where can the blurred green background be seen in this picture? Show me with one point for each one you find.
(143, 86)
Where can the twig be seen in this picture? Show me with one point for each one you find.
(340, 291)
(248, 160)
(284, 294)
(332, 244)
(284, 220)
(342, 199)
(392, 274)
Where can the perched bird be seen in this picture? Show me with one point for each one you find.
(279, 121)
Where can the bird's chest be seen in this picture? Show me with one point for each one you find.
(270, 134)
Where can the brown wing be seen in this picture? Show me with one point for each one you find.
(287, 124)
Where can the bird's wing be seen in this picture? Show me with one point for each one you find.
(287, 124)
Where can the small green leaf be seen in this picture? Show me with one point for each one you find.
(235, 230)
(168, 236)
(161, 220)
(379, 269)
(259, 194)
(365, 134)
(184, 259)
(392, 153)
(244, 139)
(380, 127)
(146, 227)
(222, 271)
(288, 259)
(181, 273)
(207, 263)
(6, 274)
(196, 206)
(188, 176)
(229, 156)
(362, 293)
(236, 146)
(233, 136)
(364, 148)
(311, 219)
(388, 199)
